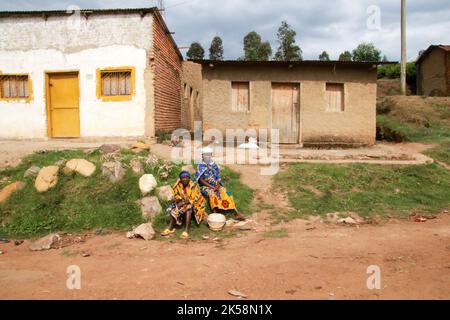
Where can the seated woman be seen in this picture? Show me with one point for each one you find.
(187, 201)
(208, 176)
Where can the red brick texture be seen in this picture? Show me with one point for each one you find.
(166, 67)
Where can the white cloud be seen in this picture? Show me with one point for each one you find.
(334, 26)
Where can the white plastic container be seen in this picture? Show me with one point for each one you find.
(216, 221)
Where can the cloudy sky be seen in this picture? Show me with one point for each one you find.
(334, 26)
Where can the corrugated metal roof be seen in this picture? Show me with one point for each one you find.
(431, 48)
(288, 63)
(62, 12)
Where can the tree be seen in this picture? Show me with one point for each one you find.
(196, 51)
(324, 56)
(288, 50)
(255, 49)
(216, 49)
(345, 56)
(366, 52)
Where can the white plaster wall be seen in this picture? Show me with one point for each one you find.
(58, 51)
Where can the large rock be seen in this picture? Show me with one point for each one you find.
(113, 170)
(31, 172)
(147, 183)
(82, 166)
(164, 193)
(44, 243)
(144, 231)
(189, 168)
(150, 207)
(7, 191)
(137, 166)
(46, 179)
(109, 148)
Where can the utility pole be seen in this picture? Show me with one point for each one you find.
(403, 62)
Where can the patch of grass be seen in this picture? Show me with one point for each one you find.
(382, 190)
(277, 233)
(433, 132)
(441, 153)
(78, 203)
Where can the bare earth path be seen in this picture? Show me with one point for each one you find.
(316, 261)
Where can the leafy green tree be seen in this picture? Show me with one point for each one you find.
(288, 50)
(324, 56)
(345, 56)
(196, 51)
(255, 49)
(366, 52)
(216, 49)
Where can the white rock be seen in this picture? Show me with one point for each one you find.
(164, 193)
(150, 207)
(82, 166)
(147, 183)
(145, 231)
(46, 179)
(44, 243)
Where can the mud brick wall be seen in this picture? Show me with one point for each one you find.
(166, 67)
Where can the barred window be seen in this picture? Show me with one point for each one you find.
(116, 83)
(14, 86)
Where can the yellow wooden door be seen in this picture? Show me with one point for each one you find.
(63, 105)
(285, 111)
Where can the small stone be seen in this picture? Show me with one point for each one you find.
(85, 254)
(81, 166)
(130, 234)
(60, 163)
(145, 231)
(31, 171)
(137, 166)
(44, 243)
(147, 183)
(7, 191)
(2, 252)
(189, 168)
(46, 179)
(109, 148)
(205, 237)
(348, 220)
(150, 207)
(18, 242)
(237, 294)
(113, 170)
(164, 193)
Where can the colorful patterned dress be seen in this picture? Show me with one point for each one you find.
(220, 199)
(186, 200)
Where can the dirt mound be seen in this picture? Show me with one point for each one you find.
(389, 87)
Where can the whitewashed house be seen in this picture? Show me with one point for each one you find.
(88, 73)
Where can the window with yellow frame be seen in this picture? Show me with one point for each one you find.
(15, 87)
(116, 84)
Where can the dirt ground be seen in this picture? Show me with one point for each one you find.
(315, 261)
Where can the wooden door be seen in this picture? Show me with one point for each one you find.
(286, 111)
(63, 105)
